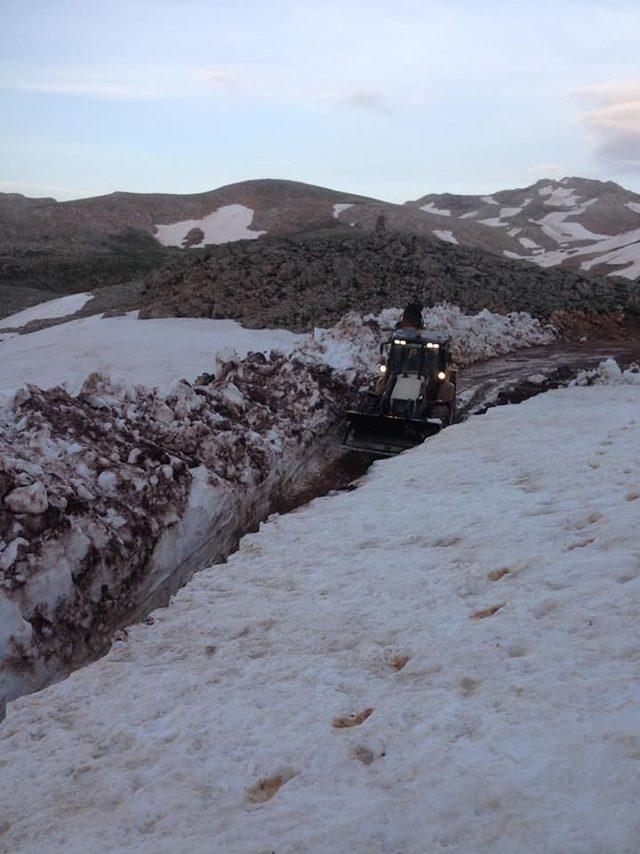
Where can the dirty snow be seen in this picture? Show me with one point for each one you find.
(469, 214)
(339, 208)
(146, 352)
(431, 208)
(447, 236)
(398, 668)
(224, 225)
(352, 346)
(111, 499)
(60, 307)
(92, 464)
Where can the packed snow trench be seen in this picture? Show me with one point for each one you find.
(444, 658)
(114, 493)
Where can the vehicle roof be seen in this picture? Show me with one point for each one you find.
(420, 335)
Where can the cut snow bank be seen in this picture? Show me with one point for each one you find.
(384, 670)
(353, 344)
(111, 499)
(114, 493)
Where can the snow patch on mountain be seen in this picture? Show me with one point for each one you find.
(224, 225)
(431, 208)
(54, 308)
(339, 208)
(447, 236)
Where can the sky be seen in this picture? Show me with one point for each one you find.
(388, 99)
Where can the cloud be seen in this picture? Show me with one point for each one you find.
(612, 117)
(138, 84)
(373, 102)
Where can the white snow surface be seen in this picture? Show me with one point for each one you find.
(60, 307)
(488, 200)
(431, 208)
(136, 352)
(224, 225)
(395, 669)
(447, 236)
(634, 206)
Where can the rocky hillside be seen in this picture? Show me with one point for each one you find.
(60, 247)
(297, 283)
(576, 223)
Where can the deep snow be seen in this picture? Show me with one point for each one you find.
(137, 352)
(446, 657)
(137, 486)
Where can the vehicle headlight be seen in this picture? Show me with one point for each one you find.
(442, 375)
(382, 369)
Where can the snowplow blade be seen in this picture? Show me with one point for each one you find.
(386, 435)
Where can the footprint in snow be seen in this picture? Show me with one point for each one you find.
(347, 721)
(580, 544)
(268, 787)
(488, 612)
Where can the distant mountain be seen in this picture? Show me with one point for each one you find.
(60, 247)
(593, 226)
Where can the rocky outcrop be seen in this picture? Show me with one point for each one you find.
(312, 281)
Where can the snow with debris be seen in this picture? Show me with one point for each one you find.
(54, 308)
(431, 208)
(397, 668)
(224, 225)
(352, 346)
(339, 208)
(469, 214)
(137, 352)
(447, 236)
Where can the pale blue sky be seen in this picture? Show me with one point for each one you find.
(389, 99)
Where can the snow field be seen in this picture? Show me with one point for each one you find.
(444, 658)
(60, 307)
(131, 351)
(224, 225)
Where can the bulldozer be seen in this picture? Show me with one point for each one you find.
(413, 398)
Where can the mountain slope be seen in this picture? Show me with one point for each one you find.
(62, 247)
(577, 223)
(313, 280)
